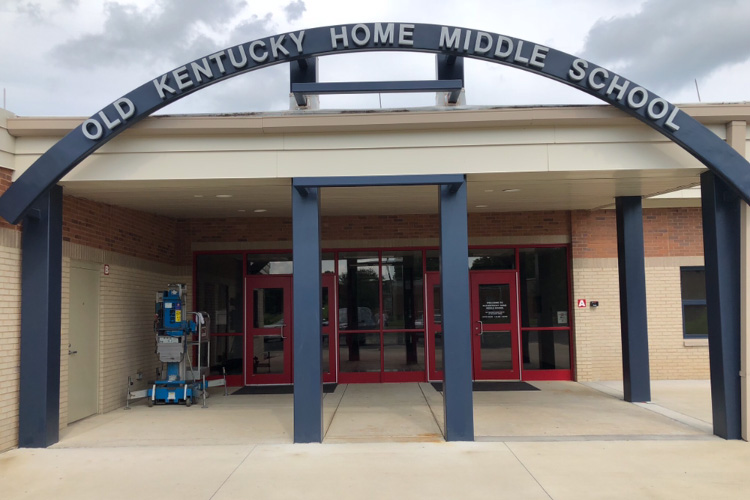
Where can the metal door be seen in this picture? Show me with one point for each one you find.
(83, 343)
(269, 335)
(494, 325)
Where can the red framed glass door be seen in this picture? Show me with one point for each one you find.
(434, 326)
(494, 325)
(328, 330)
(268, 343)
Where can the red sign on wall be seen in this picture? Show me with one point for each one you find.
(581, 302)
(106, 269)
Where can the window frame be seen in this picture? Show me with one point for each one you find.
(691, 302)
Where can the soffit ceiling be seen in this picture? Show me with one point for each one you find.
(514, 192)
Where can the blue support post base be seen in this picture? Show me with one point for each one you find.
(41, 291)
(631, 263)
(721, 241)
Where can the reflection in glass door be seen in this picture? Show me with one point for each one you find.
(434, 325)
(269, 330)
(328, 330)
(494, 322)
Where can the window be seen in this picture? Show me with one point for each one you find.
(545, 322)
(694, 313)
(219, 291)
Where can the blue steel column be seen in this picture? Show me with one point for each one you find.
(633, 319)
(454, 278)
(721, 242)
(41, 289)
(308, 379)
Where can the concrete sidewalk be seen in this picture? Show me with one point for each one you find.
(561, 470)
(564, 441)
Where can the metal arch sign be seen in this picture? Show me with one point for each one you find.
(576, 72)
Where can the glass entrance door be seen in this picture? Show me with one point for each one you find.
(494, 325)
(268, 357)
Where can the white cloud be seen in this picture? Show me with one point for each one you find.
(72, 57)
(670, 43)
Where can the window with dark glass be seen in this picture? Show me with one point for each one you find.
(219, 291)
(545, 321)
(403, 302)
(544, 287)
(480, 259)
(492, 259)
(359, 297)
(694, 312)
(546, 350)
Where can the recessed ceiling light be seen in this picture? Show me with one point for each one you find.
(514, 190)
(197, 196)
(223, 195)
(481, 206)
(242, 210)
(260, 210)
(489, 190)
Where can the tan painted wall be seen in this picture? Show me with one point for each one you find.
(285, 155)
(7, 142)
(598, 349)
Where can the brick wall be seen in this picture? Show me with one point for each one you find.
(10, 328)
(127, 330)
(10, 323)
(119, 230)
(673, 238)
(365, 228)
(667, 232)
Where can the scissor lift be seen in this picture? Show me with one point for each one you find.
(177, 338)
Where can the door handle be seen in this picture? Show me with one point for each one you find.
(282, 330)
(481, 328)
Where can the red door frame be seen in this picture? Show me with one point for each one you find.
(331, 329)
(430, 326)
(477, 278)
(252, 283)
(432, 280)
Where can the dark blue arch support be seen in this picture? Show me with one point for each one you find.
(41, 290)
(721, 241)
(165, 89)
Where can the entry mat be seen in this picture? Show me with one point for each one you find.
(276, 389)
(493, 386)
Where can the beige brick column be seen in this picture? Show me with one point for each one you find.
(736, 137)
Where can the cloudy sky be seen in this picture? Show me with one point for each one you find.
(73, 57)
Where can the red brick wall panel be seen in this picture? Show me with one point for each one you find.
(121, 230)
(667, 232)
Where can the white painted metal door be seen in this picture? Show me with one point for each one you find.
(83, 335)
